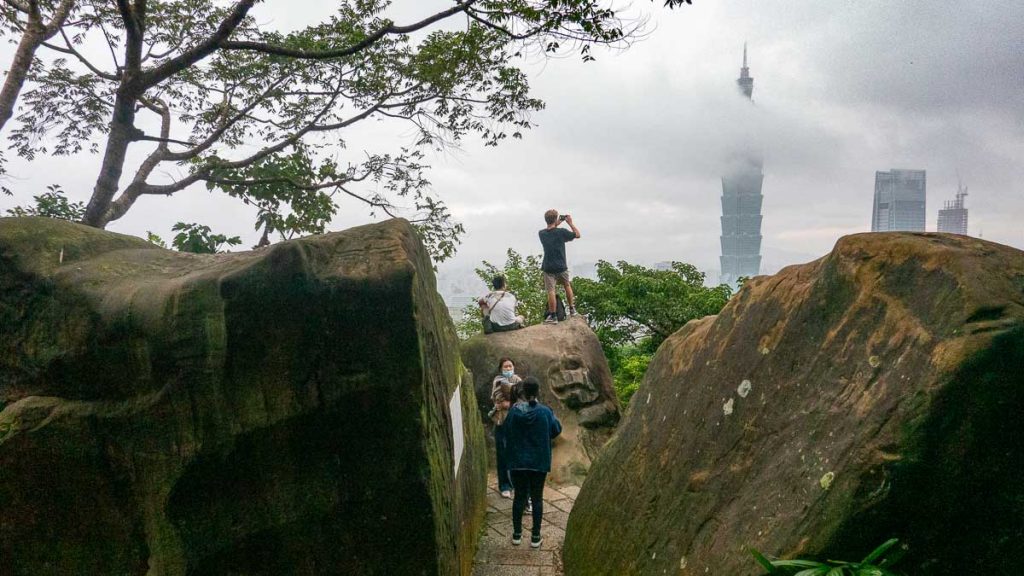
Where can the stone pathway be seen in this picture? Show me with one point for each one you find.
(498, 557)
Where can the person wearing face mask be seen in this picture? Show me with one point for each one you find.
(503, 395)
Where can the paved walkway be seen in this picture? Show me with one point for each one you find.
(498, 557)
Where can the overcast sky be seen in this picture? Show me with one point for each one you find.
(633, 145)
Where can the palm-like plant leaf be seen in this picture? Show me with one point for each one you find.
(764, 562)
(819, 571)
(880, 551)
(874, 564)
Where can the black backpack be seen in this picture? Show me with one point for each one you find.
(559, 308)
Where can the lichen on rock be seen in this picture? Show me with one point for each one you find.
(887, 407)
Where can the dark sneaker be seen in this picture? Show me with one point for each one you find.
(551, 319)
(517, 539)
(536, 541)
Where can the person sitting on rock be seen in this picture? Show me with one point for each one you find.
(554, 266)
(504, 390)
(499, 309)
(530, 427)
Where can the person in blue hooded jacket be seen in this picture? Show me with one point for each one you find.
(529, 428)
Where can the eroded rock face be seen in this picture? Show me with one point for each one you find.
(575, 382)
(874, 393)
(297, 410)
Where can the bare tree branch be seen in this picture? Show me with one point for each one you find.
(110, 46)
(214, 136)
(33, 35)
(60, 14)
(203, 174)
(473, 14)
(203, 49)
(121, 205)
(69, 49)
(363, 44)
(19, 6)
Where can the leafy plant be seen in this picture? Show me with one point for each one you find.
(877, 563)
(629, 372)
(51, 204)
(154, 239)
(199, 239)
(633, 309)
(628, 302)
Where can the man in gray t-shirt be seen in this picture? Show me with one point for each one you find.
(554, 266)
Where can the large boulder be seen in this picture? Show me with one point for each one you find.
(873, 393)
(575, 382)
(296, 410)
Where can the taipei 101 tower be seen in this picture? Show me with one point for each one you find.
(741, 204)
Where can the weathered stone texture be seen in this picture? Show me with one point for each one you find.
(276, 412)
(575, 382)
(874, 393)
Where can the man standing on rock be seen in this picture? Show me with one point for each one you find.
(554, 266)
(529, 429)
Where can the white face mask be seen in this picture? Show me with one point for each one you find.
(508, 373)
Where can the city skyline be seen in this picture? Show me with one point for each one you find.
(633, 144)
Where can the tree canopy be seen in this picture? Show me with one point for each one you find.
(628, 302)
(215, 98)
(633, 309)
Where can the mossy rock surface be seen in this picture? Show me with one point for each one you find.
(871, 394)
(283, 411)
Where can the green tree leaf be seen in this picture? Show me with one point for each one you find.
(200, 239)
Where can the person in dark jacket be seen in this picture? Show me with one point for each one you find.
(529, 428)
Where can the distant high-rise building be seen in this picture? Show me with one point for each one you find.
(741, 205)
(953, 216)
(899, 201)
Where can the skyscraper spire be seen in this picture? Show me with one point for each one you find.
(741, 203)
(746, 83)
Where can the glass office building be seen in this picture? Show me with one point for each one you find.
(899, 201)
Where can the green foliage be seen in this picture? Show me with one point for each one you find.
(282, 187)
(628, 302)
(154, 239)
(877, 563)
(633, 309)
(523, 278)
(629, 371)
(198, 239)
(208, 93)
(52, 204)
